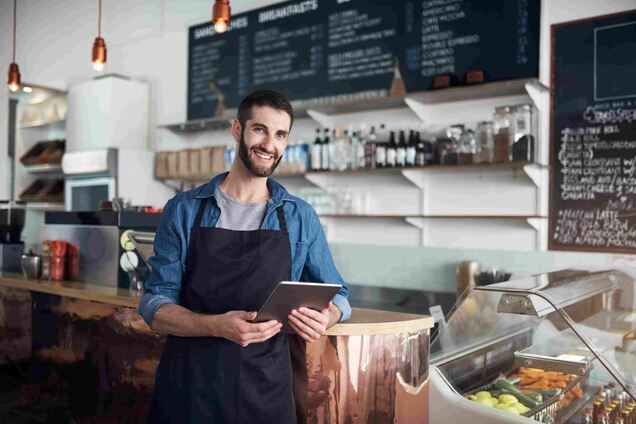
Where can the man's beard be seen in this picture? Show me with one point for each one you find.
(258, 171)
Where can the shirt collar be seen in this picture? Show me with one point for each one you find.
(279, 193)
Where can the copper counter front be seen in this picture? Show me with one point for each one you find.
(368, 379)
(96, 359)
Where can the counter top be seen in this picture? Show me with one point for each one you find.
(98, 293)
(362, 322)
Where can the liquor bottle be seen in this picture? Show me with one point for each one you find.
(324, 152)
(370, 149)
(391, 151)
(316, 152)
(400, 157)
(343, 151)
(353, 151)
(380, 150)
(336, 135)
(420, 155)
(411, 150)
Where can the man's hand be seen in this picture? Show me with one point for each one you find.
(310, 324)
(236, 327)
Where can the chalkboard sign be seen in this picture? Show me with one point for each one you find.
(593, 135)
(317, 51)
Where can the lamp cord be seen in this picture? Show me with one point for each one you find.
(15, 5)
(99, 21)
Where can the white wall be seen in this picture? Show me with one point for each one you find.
(147, 39)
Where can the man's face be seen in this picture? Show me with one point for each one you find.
(263, 140)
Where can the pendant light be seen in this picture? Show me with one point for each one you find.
(14, 72)
(221, 15)
(99, 46)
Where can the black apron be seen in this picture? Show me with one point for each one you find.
(214, 380)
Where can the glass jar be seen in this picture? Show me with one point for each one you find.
(449, 146)
(501, 128)
(467, 148)
(485, 142)
(522, 131)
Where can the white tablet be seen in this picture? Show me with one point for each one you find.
(288, 295)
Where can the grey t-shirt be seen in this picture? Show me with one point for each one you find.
(239, 216)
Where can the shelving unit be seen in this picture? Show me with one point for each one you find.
(499, 205)
(41, 116)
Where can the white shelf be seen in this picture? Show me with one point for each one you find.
(45, 206)
(41, 124)
(45, 168)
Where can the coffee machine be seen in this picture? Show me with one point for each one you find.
(11, 224)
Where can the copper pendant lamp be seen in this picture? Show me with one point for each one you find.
(99, 46)
(13, 79)
(221, 15)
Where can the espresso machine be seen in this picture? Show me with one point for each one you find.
(11, 224)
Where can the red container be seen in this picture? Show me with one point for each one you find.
(57, 249)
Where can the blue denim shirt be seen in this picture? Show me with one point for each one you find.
(310, 255)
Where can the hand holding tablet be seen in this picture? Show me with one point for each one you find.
(288, 295)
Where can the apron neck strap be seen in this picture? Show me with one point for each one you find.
(281, 218)
(199, 217)
(204, 202)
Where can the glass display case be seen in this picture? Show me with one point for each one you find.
(555, 348)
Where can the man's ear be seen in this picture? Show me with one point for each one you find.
(236, 130)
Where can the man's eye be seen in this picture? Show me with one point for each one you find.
(258, 129)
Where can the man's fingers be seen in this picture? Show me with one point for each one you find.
(258, 336)
(311, 332)
(300, 332)
(257, 327)
(316, 321)
(316, 315)
(244, 315)
(266, 336)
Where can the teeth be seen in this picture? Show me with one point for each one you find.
(263, 155)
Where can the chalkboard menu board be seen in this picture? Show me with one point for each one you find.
(593, 135)
(317, 51)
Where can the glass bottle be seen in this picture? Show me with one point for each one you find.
(411, 150)
(400, 157)
(380, 152)
(369, 149)
(420, 155)
(324, 151)
(391, 151)
(316, 155)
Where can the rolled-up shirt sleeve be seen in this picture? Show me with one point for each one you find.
(320, 267)
(164, 284)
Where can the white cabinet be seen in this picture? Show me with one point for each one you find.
(108, 112)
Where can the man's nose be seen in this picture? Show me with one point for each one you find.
(268, 141)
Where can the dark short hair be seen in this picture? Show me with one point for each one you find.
(270, 98)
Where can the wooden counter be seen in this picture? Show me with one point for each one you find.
(97, 293)
(363, 321)
(373, 368)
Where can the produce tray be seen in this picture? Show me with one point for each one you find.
(546, 412)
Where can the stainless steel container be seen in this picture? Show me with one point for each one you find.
(31, 265)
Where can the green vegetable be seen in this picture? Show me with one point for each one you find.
(508, 387)
(536, 396)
